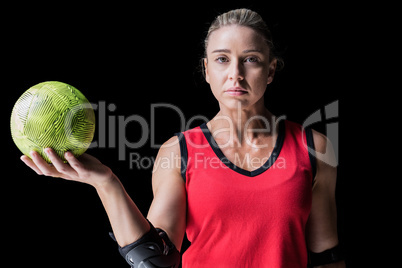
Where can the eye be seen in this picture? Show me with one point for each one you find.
(251, 59)
(222, 59)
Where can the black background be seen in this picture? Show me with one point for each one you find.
(134, 56)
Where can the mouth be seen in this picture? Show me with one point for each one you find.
(236, 91)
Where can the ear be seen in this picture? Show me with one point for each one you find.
(205, 64)
(271, 69)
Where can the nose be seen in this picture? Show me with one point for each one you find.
(236, 71)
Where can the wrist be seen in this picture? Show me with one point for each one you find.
(109, 185)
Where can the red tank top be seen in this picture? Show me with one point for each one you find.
(237, 218)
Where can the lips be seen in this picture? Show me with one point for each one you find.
(236, 91)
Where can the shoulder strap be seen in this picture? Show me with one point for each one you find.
(311, 151)
(183, 153)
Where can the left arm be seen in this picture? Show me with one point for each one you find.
(321, 233)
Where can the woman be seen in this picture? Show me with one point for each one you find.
(246, 190)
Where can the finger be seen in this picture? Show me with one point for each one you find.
(74, 162)
(43, 166)
(31, 164)
(59, 165)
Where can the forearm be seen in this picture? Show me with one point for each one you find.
(126, 219)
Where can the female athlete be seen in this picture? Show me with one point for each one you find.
(248, 189)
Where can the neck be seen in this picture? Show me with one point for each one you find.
(241, 123)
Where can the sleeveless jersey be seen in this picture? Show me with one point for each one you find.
(240, 218)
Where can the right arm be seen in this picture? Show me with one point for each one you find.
(127, 221)
(168, 209)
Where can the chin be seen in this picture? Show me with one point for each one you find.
(235, 103)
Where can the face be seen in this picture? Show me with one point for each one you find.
(237, 66)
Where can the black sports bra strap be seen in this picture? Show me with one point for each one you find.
(183, 153)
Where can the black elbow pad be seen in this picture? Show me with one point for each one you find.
(326, 257)
(153, 250)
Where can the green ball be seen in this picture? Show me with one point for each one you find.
(52, 114)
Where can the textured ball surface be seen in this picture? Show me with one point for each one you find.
(52, 114)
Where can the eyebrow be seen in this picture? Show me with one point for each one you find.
(221, 50)
(228, 50)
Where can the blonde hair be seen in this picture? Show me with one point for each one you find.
(248, 18)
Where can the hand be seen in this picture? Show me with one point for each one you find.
(86, 169)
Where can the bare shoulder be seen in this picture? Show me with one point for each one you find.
(167, 163)
(320, 141)
(324, 150)
(171, 145)
(168, 158)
